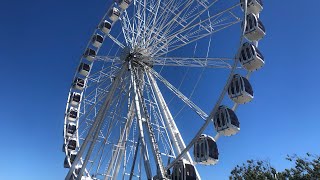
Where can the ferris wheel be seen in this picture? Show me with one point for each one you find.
(118, 121)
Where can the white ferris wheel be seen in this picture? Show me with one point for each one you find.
(119, 124)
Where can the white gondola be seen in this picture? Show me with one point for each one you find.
(253, 6)
(70, 159)
(250, 57)
(71, 129)
(240, 90)
(114, 14)
(206, 150)
(124, 4)
(76, 172)
(72, 114)
(226, 122)
(105, 26)
(97, 40)
(255, 30)
(75, 99)
(71, 144)
(84, 69)
(79, 83)
(183, 170)
(90, 54)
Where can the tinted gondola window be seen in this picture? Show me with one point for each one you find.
(234, 118)
(213, 153)
(236, 84)
(86, 67)
(72, 145)
(223, 119)
(71, 129)
(204, 149)
(243, 55)
(76, 98)
(248, 53)
(73, 114)
(72, 158)
(217, 122)
(190, 172)
(232, 85)
(66, 163)
(99, 38)
(248, 86)
(250, 23)
(79, 82)
(90, 52)
(107, 25)
(240, 83)
(198, 148)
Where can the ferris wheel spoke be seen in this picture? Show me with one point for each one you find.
(127, 28)
(113, 122)
(182, 18)
(181, 96)
(109, 59)
(140, 124)
(192, 62)
(121, 144)
(159, 124)
(177, 140)
(174, 16)
(94, 130)
(194, 31)
(115, 40)
(166, 11)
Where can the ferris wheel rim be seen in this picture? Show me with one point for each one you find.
(231, 73)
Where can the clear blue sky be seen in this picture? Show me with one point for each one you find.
(41, 41)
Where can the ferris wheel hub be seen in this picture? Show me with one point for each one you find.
(138, 57)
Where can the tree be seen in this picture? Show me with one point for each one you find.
(305, 169)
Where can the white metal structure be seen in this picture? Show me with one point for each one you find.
(126, 127)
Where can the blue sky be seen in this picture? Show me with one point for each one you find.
(41, 41)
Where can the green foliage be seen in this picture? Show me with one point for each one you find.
(305, 169)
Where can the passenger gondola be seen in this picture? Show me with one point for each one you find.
(226, 122)
(250, 57)
(75, 99)
(183, 170)
(71, 129)
(114, 14)
(97, 40)
(253, 6)
(84, 69)
(79, 84)
(72, 144)
(124, 4)
(69, 159)
(90, 54)
(255, 30)
(206, 150)
(105, 26)
(72, 114)
(240, 90)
